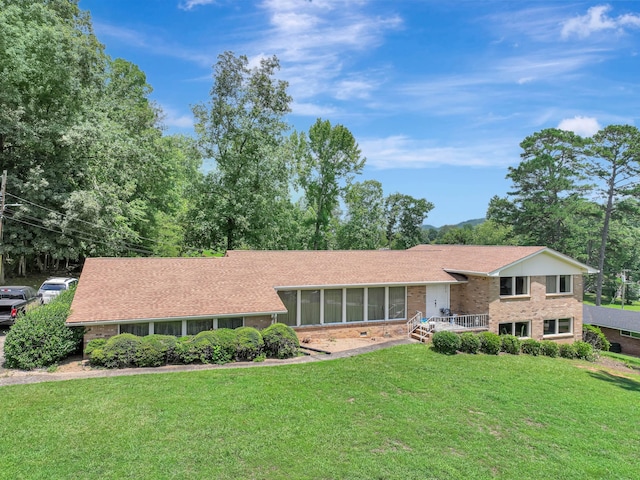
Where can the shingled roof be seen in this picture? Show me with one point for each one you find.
(245, 282)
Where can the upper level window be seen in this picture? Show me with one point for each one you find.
(514, 286)
(559, 284)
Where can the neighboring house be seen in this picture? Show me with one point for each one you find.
(528, 291)
(619, 326)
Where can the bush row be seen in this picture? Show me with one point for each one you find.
(40, 337)
(490, 343)
(219, 346)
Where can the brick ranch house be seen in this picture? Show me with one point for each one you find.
(619, 326)
(531, 292)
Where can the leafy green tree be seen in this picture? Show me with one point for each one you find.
(241, 129)
(404, 218)
(328, 160)
(614, 161)
(364, 226)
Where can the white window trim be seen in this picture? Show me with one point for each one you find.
(558, 335)
(628, 334)
(513, 327)
(513, 287)
(558, 293)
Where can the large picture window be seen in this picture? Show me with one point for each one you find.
(375, 303)
(231, 322)
(333, 306)
(139, 329)
(557, 284)
(510, 286)
(194, 327)
(309, 307)
(397, 302)
(355, 304)
(168, 328)
(290, 300)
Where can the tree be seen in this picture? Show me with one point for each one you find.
(364, 226)
(548, 185)
(614, 156)
(241, 129)
(404, 217)
(328, 160)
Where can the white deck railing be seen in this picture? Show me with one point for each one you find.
(452, 322)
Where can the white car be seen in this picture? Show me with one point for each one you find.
(52, 287)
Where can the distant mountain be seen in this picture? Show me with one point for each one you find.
(473, 223)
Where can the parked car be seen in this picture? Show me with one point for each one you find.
(14, 300)
(52, 287)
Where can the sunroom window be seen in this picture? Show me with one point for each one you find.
(559, 284)
(510, 286)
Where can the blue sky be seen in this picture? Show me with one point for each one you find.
(438, 94)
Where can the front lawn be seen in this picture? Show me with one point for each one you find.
(404, 412)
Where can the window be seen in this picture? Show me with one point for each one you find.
(558, 326)
(355, 304)
(627, 333)
(139, 329)
(196, 326)
(309, 307)
(397, 302)
(559, 284)
(333, 306)
(510, 286)
(290, 300)
(375, 301)
(232, 322)
(519, 329)
(168, 328)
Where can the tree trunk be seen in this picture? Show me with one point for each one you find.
(603, 243)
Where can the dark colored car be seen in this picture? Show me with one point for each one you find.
(14, 300)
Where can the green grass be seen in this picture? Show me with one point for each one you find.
(632, 306)
(631, 362)
(400, 413)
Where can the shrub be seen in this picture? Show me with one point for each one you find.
(249, 343)
(531, 347)
(510, 344)
(280, 341)
(549, 348)
(446, 342)
(567, 350)
(584, 351)
(490, 343)
(93, 345)
(186, 350)
(469, 343)
(40, 337)
(154, 349)
(215, 346)
(595, 337)
(118, 352)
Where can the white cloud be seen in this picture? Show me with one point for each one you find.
(583, 126)
(173, 118)
(189, 4)
(597, 20)
(403, 152)
(312, 110)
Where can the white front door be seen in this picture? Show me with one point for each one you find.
(437, 298)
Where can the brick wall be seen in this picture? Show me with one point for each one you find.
(98, 331)
(537, 307)
(630, 346)
(416, 300)
(368, 330)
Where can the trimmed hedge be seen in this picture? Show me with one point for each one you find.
(510, 344)
(40, 337)
(490, 343)
(280, 341)
(469, 343)
(584, 351)
(567, 350)
(446, 342)
(595, 337)
(249, 343)
(531, 347)
(549, 348)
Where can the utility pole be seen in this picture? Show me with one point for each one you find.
(3, 191)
